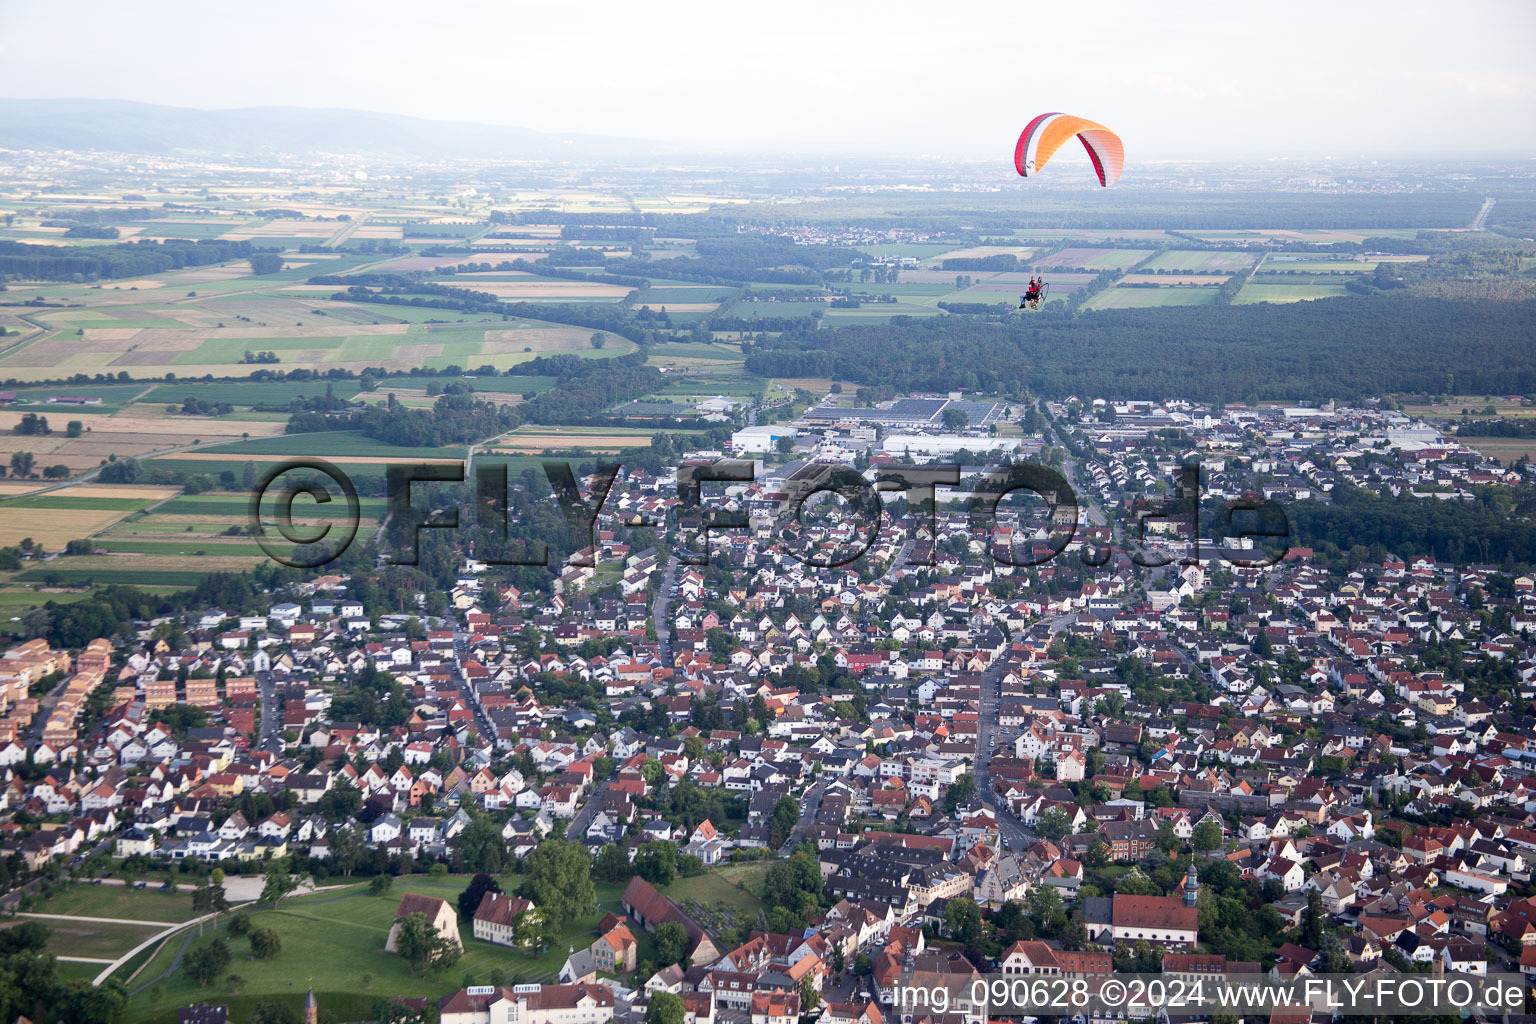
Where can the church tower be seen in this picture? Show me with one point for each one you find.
(311, 1009)
(1191, 886)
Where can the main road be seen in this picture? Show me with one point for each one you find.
(659, 619)
(269, 736)
(1019, 835)
(1480, 222)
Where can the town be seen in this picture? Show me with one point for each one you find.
(790, 770)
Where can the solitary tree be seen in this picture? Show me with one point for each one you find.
(665, 1008)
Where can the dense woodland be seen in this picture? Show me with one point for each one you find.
(131, 259)
(1495, 528)
(587, 389)
(1344, 348)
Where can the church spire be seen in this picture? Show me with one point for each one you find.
(1191, 884)
(311, 1008)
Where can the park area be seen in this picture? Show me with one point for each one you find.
(333, 940)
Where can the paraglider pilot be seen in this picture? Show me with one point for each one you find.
(1031, 296)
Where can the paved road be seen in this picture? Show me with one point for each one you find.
(269, 736)
(1480, 222)
(808, 808)
(346, 230)
(660, 620)
(45, 708)
(1018, 835)
(462, 654)
(577, 829)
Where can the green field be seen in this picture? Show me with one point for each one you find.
(105, 392)
(61, 499)
(332, 940)
(1204, 260)
(879, 312)
(189, 548)
(1142, 298)
(216, 504)
(774, 307)
(270, 392)
(1096, 259)
(509, 385)
(694, 350)
(132, 577)
(149, 904)
(96, 939)
(1287, 292)
(326, 443)
(1320, 266)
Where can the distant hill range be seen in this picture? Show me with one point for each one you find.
(145, 128)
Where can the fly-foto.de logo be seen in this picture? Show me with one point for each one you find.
(276, 527)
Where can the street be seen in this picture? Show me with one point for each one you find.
(659, 619)
(269, 735)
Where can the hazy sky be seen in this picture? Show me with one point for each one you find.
(1344, 77)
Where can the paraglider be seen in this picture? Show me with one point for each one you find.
(1043, 136)
(1035, 293)
(1040, 140)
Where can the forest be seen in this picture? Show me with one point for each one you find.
(455, 418)
(1495, 528)
(1345, 348)
(89, 263)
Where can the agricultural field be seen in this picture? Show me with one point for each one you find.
(1314, 236)
(1012, 285)
(1508, 450)
(129, 432)
(1301, 263)
(53, 518)
(879, 312)
(779, 307)
(1204, 261)
(1455, 405)
(1092, 236)
(1097, 259)
(1143, 298)
(976, 252)
(194, 350)
(1288, 292)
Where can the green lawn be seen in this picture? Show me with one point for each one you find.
(148, 904)
(67, 972)
(95, 939)
(332, 940)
